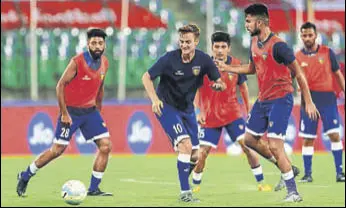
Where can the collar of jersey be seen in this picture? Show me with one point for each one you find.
(89, 60)
(266, 40)
(311, 52)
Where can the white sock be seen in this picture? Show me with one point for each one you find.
(33, 168)
(98, 174)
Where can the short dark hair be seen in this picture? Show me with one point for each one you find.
(259, 10)
(96, 32)
(308, 25)
(190, 28)
(220, 36)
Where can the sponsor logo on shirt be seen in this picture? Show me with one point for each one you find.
(179, 73)
(196, 70)
(86, 78)
(321, 60)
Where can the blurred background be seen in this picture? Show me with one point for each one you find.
(35, 49)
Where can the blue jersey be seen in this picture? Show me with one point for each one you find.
(179, 81)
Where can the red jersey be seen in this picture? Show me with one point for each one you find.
(274, 79)
(220, 108)
(318, 70)
(82, 90)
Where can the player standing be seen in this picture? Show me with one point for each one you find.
(320, 66)
(271, 59)
(181, 73)
(80, 92)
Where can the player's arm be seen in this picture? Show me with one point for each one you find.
(67, 76)
(99, 97)
(310, 107)
(340, 79)
(149, 87)
(239, 69)
(336, 69)
(244, 91)
(197, 103)
(214, 75)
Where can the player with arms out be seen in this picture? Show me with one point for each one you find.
(273, 62)
(181, 73)
(80, 93)
(220, 110)
(320, 66)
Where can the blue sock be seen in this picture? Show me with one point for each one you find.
(308, 152)
(183, 165)
(30, 171)
(258, 173)
(290, 182)
(95, 180)
(337, 148)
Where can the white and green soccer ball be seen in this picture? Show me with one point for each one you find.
(73, 192)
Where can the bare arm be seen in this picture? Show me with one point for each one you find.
(341, 80)
(244, 91)
(66, 77)
(99, 97)
(239, 69)
(149, 87)
(310, 107)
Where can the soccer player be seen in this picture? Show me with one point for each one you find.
(271, 59)
(80, 92)
(181, 73)
(220, 110)
(320, 66)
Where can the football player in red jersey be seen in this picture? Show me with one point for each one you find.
(274, 63)
(222, 110)
(322, 71)
(80, 92)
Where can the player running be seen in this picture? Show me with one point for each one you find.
(181, 73)
(80, 92)
(273, 62)
(320, 67)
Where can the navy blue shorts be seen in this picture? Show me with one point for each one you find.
(179, 125)
(211, 136)
(271, 116)
(89, 122)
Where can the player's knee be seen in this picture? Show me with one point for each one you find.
(308, 142)
(204, 154)
(275, 149)
(57, 150)
(185, 146)
(334, 137)
(106, 148)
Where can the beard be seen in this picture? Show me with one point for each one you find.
(96, 54)
(255, 32)
(309, 44)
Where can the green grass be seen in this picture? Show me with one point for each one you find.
(152, 181)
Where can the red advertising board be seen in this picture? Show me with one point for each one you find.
(80, 14)
(133, 129)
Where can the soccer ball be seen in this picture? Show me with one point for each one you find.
(73, 192)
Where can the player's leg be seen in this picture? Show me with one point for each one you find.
(307, 130)
(208, 138)
(171, 122)
(236, 131)
(94, 129)
(62, 137)
(256, 125)
(278, 121)
(331, 123)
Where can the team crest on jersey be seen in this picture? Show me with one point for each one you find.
(102, 75)
(230, 75)
(271, 124)
(241, 126)
(264, 56)
(321, 60)
(196, 70)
